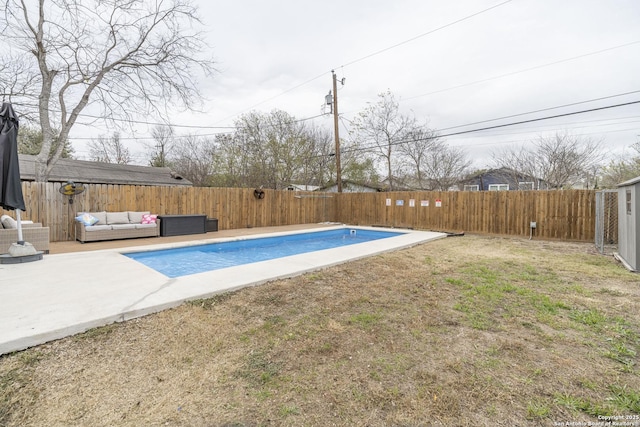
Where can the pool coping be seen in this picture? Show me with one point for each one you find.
(70, 293)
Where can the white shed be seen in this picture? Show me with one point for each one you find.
(629, 223)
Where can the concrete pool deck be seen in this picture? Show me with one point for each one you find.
(68, 293)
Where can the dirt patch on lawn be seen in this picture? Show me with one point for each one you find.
(464, 331)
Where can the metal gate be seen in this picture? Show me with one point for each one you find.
(606, 221)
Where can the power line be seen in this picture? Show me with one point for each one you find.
(503, 125)
(426, 34)
(536, 67)
(574, 125)
(355, 61)
(361, 59)
(342, 119)
(276, 96)
(234, 128)
(543, 109)
(371, 55)
(513, 141)
(543, 118)
(530, 112)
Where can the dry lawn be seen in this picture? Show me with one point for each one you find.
(464, 331)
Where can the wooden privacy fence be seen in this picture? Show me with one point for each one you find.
(566, 215)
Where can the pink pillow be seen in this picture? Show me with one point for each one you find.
(149, 219)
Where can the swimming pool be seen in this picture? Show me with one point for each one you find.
(185, 261)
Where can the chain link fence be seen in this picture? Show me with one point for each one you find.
(606, 234)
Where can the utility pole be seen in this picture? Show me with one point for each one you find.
(335, 131)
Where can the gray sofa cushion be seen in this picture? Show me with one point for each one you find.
(123, 226)
(117, 218)
(136, 217)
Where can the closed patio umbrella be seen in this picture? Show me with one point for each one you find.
(11, 197)
(10, 189)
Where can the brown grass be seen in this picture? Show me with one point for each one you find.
(466, 331)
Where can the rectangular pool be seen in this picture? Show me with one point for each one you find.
(184, 261)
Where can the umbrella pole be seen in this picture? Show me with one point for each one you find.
(19, 221)
(23, 250)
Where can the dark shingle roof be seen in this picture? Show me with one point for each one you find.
(85, 172)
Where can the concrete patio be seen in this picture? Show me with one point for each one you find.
(82, 286)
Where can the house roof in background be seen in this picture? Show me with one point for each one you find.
(352, 184)
(86, 172)
(499, 171)
(630, 182)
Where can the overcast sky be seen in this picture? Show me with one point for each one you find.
(450, 63)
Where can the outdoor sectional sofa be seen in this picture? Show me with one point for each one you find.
(115, 225)
(33, 233)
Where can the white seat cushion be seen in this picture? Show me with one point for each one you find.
(97, 227)
(123, 226)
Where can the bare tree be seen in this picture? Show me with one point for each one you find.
(119, 57)
(382, 128)
(431, 163)
(445, 166)
(560, 160)
(319, 166)
(109, 150)
(193, 159)
(161, 150)
(622, 169)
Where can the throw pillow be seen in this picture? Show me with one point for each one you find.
(149, 219)
(102, 217)
(8, 222)
(87, 219)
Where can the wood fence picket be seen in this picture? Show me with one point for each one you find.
(559, 214)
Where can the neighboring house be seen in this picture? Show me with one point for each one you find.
(350, 187)
(502, 179)
(86, 172)
(412, 184)
(399, 184)
(301, 187)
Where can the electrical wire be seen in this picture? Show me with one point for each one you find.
(343, 119)
(536, 67)
(140, 138)
(426, 34)
(515, 141)
(543, 118)
(573, 125)
(543, 109)
(355, 61)
(366, 148)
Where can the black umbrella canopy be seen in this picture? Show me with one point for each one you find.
(10, 188)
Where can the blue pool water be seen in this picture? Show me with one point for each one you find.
(197, 259)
